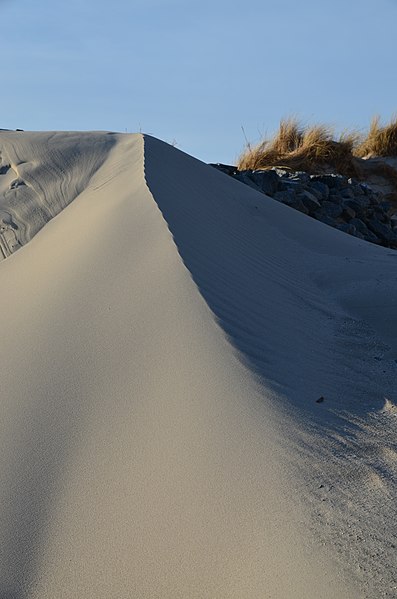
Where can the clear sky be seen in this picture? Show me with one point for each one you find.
(196, 72)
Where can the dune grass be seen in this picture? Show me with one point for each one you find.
(312, 149)
(380, 140)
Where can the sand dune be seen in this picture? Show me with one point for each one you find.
(166, 337)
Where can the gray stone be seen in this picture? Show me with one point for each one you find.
(329, 198)
(375, 197)
(281, 172)
(244, 177)
(331, 209)
(366, 189)
(310, 201)
(347, 192)
(299, 205)
(333, 181)
(348, 213)
(286, 197)
(319, 189)
(334, 198)
(385, 205)
(300, 176)
(354, 205)
(363, 200)
(356, 189)
(382, 231)
(363, 229)
(296, 186)
(380, 215)
(359, 224)
(268, 181)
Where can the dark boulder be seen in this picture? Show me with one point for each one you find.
(319, 189)
(268, 181)
(310, 201)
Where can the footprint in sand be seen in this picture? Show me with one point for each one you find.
(4, 168)
(17, 183)
(9, 242)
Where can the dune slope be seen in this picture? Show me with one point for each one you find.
(312, 312)
(40, 174)
(165, 339)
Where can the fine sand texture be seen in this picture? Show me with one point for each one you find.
(197, 384)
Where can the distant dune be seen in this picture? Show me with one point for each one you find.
(197, 384)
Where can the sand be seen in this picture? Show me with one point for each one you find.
(167, 333)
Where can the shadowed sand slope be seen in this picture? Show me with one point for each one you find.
(312, 312)
(165, 338)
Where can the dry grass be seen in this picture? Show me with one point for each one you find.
(380, 141)
(312, 149)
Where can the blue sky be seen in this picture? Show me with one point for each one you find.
(196, 72)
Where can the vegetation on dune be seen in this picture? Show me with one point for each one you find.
(315, 149)
(380, 141)
(311, 149)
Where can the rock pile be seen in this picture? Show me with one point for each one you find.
(346, 204)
